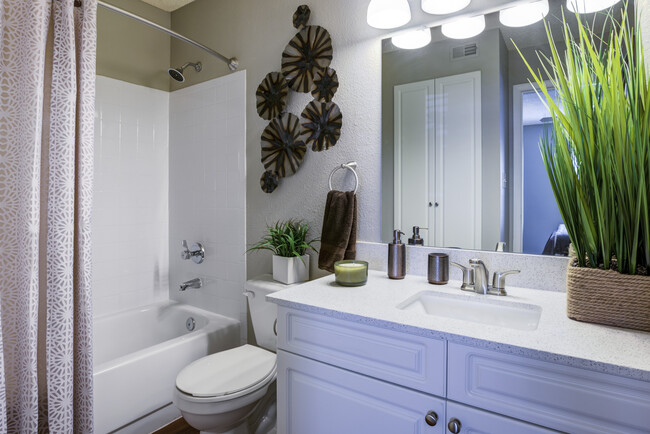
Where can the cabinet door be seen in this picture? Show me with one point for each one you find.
(562, 397)
(316, 398)
(471, 420)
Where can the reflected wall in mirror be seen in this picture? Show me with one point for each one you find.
(461, 126)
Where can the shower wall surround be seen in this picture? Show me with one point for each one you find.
(130, 207)
(207, 193)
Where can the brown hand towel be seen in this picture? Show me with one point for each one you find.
(339, 237)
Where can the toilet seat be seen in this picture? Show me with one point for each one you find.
(227, 374)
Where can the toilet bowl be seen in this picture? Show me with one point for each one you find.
(217, 393)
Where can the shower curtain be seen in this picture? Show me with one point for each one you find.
(47, 90)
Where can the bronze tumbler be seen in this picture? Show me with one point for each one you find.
(438, 272)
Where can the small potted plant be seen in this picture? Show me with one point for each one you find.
(288, 242)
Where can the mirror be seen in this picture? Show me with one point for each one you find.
(461, 126)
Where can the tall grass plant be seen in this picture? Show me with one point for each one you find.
(597, 154)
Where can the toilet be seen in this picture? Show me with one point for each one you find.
(218, 393)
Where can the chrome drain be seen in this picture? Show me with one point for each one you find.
(190, 324)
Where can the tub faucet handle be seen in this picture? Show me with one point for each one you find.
(185, 253)
(196, 253)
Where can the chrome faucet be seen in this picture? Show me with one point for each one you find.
(194, 283)
(481, 276)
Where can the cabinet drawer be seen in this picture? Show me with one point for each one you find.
(316, 398)
(408, 360)
(557, 396)
(475, 421)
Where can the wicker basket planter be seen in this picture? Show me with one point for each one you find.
(608, 297)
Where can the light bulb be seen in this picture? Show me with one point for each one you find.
(441, 7)
(589, 6)
(524, 15)
(413, 39)
(464, 28)
(388, 14)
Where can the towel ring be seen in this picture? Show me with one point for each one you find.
(350, 166)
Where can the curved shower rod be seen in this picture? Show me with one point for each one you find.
(232, 62)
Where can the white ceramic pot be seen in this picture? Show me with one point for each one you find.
(291, 270)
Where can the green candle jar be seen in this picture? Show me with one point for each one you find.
(351, 272)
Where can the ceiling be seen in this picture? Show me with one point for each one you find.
(168, 5)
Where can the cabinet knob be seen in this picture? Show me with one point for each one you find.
(431, 418)
(454, 425)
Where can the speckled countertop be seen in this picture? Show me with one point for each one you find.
(556, 339)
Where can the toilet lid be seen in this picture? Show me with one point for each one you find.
(226, 372)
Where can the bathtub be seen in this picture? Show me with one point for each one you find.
(139, 352)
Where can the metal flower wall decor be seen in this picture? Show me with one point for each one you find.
(282, 148)
(326, 82)
(305, 68)
(272, 95)
(301, 17)
(307, 53)
(321, 125)
(269, 181)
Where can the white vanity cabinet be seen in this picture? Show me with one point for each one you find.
(340, 376)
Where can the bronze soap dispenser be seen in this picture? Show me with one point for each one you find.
(397, 256)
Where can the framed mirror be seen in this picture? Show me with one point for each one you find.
(461, 127)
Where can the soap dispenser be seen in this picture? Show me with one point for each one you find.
(416, 240)
(397, 256)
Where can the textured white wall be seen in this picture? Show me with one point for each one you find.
(130, 212)
(207, 196)
(357, 60)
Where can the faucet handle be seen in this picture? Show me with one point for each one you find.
(196, 253)
(185, 253)
(468, 276)
(499, 280)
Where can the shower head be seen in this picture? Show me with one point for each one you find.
(177, 73)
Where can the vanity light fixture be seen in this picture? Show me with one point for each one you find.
(413, 39)
(442, 7)
(464, 27)
(524, 15)
(589, 6)
(388, 14)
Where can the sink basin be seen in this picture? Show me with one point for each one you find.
(519, 316)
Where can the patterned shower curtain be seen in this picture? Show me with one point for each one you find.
(47, 91)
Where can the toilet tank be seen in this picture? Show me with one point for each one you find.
(263, 313)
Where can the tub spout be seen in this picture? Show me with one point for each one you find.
(194, 283)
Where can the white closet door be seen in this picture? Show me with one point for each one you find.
(414, 155)
(458, 194)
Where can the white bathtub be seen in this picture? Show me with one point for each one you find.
(139, 352)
